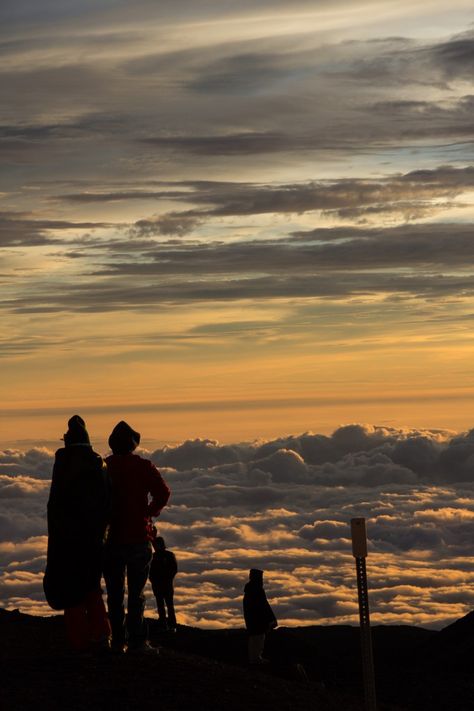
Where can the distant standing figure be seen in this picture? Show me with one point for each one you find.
(258, 615)
(78, 511)
(138, 494)
(162, 573)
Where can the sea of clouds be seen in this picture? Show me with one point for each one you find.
(285, 506)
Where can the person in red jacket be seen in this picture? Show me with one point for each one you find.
(138, 494)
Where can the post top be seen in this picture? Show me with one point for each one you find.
(359, 537)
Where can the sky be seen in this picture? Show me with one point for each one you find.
(238, 222)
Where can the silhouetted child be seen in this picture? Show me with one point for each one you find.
(258, 615)
(162, 573)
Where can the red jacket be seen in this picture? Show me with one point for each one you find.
(134, 481)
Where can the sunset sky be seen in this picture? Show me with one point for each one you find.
(240, 221)
(232, 219)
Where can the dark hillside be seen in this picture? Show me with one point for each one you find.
(37, 673)
(311, 669)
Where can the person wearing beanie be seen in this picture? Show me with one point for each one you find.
(138, 494)
(258, 615)
(78, 512)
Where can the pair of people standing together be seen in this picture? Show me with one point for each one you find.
(92, 501)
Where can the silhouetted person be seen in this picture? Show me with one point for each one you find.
(78, 511)
(162, 573)
(138, 493)
(258, 615)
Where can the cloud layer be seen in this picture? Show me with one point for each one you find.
(285, 506)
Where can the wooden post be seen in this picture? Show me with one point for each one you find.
(359, 551)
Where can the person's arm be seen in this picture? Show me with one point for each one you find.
(253, 610)
(159, 490)
(102, 500)
(55, 512)
(270, 615)
(153, 575)
(173, 564)
(246, 610)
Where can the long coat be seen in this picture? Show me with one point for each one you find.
(258, 614)
(78, 513)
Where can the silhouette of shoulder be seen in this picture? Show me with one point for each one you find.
(132, 461)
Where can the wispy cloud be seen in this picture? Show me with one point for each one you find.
(20, 230)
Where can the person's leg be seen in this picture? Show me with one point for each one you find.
(256, 644)
(77, 632)
(99, 625)
(169, 599)
(138, 567)
(160, 606)
(114, 574)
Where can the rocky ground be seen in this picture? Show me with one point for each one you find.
(311, 669)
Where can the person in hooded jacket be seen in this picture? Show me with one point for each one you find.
(258, 615)
(138, 494)
(78, 512)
